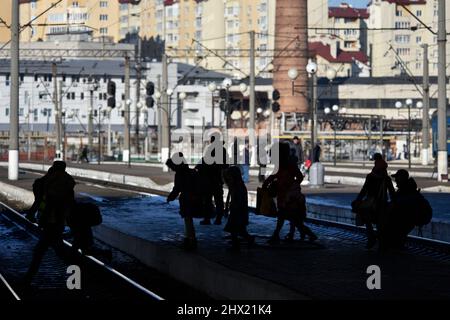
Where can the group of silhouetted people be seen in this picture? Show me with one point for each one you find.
(197, 188)
(395, 213)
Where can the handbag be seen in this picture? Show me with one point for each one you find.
(265, 205)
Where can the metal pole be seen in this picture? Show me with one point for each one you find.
(138, 92)
(62, 126)
(381, 137)
(13, 152)
(126, 140)
(314, 116)
(109, 135)
(335, 137)
(158, 107)
(90, 118)
(442, 165)
(409, 136)
(99, 136)
(165, 137)
(58, 154)
(252, 127)
(426, 107)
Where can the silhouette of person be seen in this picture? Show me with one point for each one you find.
(298, 150)
(401, 214)
(290, 201)
(316, 153)
(80, 225)
(211, 169)
(238, 206)
(374, 198)
(84, 154)
(56, 202)
(188, 189)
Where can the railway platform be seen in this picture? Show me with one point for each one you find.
(144, 226)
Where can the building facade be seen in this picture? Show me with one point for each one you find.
(400, 36)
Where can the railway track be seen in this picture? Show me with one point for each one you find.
(98, 280)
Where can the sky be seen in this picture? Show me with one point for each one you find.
(355, 3)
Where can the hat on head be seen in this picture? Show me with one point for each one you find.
(402, 173)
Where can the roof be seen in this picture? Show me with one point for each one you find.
(111, 68)
(324, 50)
(348, 12)
(193, 73)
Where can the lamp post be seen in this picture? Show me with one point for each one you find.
(334, 124)
(399, 105)
(311, 69)
(128, 103)
(212, 87)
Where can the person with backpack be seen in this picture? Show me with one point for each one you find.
(83, 217)
(238, 207)
(371, 204)
(56, 202)
(188, 190)
(408, 210)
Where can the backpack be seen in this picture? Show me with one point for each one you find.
(85, 214)
(424, 212)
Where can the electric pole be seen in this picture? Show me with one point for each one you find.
(165, 125)
(426, 107)
(252, 127)
(442, 165)
(13, 152)
(58, 154)
(126, 149)
(138, 91)
(158, 111)
(90, 117)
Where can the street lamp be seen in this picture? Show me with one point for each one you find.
(399, 105)
(334, 124)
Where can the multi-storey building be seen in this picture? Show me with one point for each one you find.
(97, 18)
(400, 36)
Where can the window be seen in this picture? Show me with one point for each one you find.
(418, 39)
(419, 13)
(103, 17)
(103, 4)
(7, 112)
(103, 30)
(82, 96)
(20, 112)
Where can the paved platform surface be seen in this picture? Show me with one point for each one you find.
(333, 267)
(333, 194)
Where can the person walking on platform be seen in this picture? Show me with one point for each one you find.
(238, 207)
(372, 201)
(83, 155)
(408, 209)
(211, 169)
(290, 201)
(56, 202)
(187, 188)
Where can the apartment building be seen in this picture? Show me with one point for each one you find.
(98, 19)
(401, 36)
